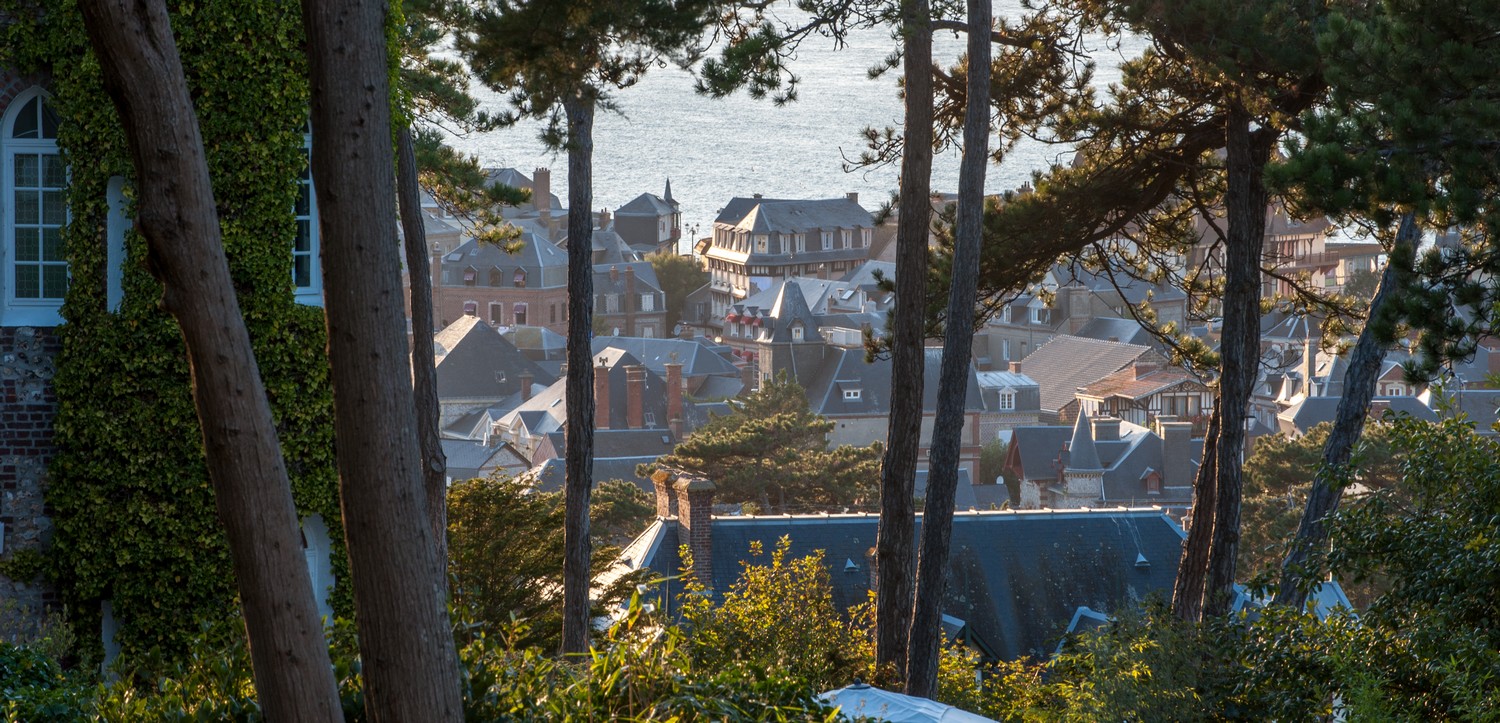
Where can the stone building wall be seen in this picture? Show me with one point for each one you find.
(28, 406)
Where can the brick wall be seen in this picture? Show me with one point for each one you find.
(27, 408)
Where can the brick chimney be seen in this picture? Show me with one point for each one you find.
(541, 190)
(526, 380)
(1176, 451)
(666, 497)
(674, 399)
(614, 273)
(604, 218)
(695, 503)
(1144, 367)
(635, 393)
(747, 377)
(629, 303)
(601, 396)
(1015, 367)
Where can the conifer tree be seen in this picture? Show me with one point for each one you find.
(562, 64)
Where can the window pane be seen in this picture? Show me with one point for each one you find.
(52, 244)
(26, 121)
(302, 271)
(28, 281)
(26, 170)
(26, 207)
(49, 122)
(304, 237)
(302, 200)
(26, 244)
(53, 174)
(54, 281)
(54, 211)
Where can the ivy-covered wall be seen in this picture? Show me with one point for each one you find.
(134, 514)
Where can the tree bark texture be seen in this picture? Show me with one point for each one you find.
(406, 643)
(143, 75)
(895, 561)
(925, 639)
(1247, 153)
(1348, 424)
(579, 388)
(1192, 566)
(423, 359)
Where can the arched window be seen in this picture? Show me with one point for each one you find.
(34, 212)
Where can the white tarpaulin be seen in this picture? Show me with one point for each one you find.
(863, 701)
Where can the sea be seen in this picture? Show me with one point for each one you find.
(713, 150)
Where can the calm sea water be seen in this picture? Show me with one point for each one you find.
(714, 150)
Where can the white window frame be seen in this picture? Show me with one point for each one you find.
(798, 333)
(865, 235)
(648, 302)
(312, 293)
(827, 240)
(15, 311)
(611, 303)
(762, 243)
(1007, 400)
(1039, 315)
(851, 395)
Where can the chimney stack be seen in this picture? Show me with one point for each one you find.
(614, 273)
(635, 393)
(1106, 429)
(674, 399)
(1176, 451)
(666, 497)
(852, 196)
(526, 380)
(1015, 367)
(747, 378)
(601, 396)
(604, 218)
(541, 190)
(1143, 367)
(695, 511)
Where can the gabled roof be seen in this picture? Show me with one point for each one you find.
(606, 282)
(534, 255)
(772, 215)
(1313, 411)
(1106, 328)
(1066, 363)
(1125, 383)
(470, 458)
(610, 248)
(475, 362)
(1016, 578)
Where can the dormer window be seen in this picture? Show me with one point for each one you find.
(851, 395)
(495, 276)
(1007, 400)
(761, 243)
(798, 333)
(827, 240)
(801, 242)
(864, 237)
(519, 279)
(469, 276)
(1040, 315)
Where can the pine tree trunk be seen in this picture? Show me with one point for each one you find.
(143, 75)
(925, 639)
(1248, 152)
(895, 561)
(1348, 424)
(423, 361)
(410, 665)
(580, 384)
(1192, 566)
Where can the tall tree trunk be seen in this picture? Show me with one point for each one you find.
(580, 385)
(1192, 566)
(1248, 152)
(143, 75)
(925, 639)
(1348, 424)
(423, 359)
(895, 561)
(410, 665)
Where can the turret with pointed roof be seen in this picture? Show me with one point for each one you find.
(1083, 477)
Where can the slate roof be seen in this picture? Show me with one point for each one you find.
(537, 342)
(1313, 411)
(647, 204)
(551, 476)
(545, 264)
(471, 458)
(847, 369)
(645, 281)
(1039, 448)
(696, 359)
(1105, 328)
(475, 362)
(771, 215)
(963, 494)
(1066, 363)
(1015, 578)
(1081, 452)
(1125, 462)
(516, 179)
(1482, 406)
